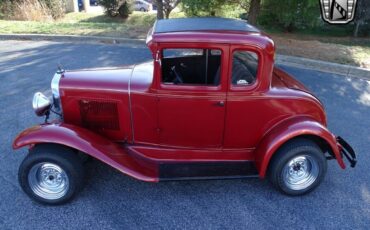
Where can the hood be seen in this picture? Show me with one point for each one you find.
(99, 99)
(139, 77)
(97, 79)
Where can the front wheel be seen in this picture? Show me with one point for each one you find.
(51, 174)
(298, 167)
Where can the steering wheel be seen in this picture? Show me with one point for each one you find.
(178, 78)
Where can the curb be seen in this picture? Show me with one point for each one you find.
(323, 66)
(72, 38)
(304, 63)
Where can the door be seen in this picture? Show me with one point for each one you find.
(247, 115)
(191, 98)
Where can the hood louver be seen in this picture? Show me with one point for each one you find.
(99, 115)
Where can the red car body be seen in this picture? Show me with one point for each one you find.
(129, 119)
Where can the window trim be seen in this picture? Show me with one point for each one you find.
(244, 88)
(193, 87)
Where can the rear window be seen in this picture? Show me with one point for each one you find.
(244, 68)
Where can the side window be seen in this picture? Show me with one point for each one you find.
(244, 68)
(191, 66)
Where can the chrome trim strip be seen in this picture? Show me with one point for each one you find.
(55, 90)
(130, 106)
(54, 85)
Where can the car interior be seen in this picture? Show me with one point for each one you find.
(203, 67)
(191, 66)
(244, 70)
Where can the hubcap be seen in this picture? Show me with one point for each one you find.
(300, 172)
(48, 181)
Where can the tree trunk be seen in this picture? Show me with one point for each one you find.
(168, 7)
(254, 11)
(362, 15)
(167, 14)
(159, 9)
(357, 28)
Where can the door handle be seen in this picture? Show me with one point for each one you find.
(220, 103)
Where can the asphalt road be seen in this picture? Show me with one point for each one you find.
(111, 200)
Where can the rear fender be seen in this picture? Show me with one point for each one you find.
(90, 143)
(288, 130)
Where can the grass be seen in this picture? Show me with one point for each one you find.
(325, 47)
(314, 45)
(136, 26)
(352, 54)
(97, 24)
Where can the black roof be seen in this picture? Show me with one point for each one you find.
(202, 24)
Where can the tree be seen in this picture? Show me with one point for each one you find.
(168, 6)
(244, 4)
(165, 7)
(203, 7)
(290, 14)
(160, 9)
(362, 15)
(254, 11)
(117, 7)
(252, 7)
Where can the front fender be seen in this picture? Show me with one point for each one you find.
(90, 143)
(287, 130)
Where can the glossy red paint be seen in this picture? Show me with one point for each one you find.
(78, 88)
(93, 144)
(287, 130)
(165, 154)
(128, 119)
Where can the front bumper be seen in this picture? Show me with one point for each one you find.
(347, 151)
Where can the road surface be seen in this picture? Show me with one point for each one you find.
(111, 200)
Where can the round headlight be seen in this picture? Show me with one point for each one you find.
(41, 104)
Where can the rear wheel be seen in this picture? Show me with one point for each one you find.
(298, 167)
(51, 174)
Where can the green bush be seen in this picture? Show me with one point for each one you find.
(115, 7)
(219, 8)
(202, 7)
(125, 9)
(141, 19)
(290, 15)
(110, 7)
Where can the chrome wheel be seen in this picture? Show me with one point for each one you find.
(48, 181)
(300, 172)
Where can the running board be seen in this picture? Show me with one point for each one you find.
(207, 170)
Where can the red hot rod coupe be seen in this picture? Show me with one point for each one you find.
(211, 104)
